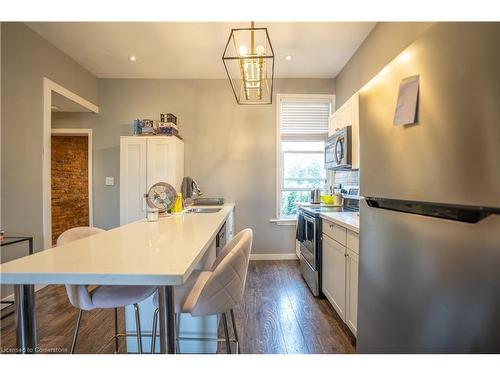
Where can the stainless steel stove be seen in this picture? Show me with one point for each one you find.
(309, 233)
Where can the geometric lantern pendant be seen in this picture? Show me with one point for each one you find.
(249, 62)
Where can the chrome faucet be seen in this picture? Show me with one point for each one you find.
(190, 188)
(196, 190)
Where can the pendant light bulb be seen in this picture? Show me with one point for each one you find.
(260, 50)
(243, 50)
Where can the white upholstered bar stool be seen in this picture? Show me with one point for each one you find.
(103, 297)
(216, 291)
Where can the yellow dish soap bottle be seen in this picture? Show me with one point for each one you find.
(178, 203)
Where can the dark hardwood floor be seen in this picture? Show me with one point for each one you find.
(278, 315)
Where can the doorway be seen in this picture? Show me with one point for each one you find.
(73, 191)
(71, 180)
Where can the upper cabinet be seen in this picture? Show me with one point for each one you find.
(144, 161)
(348, 115)
(333, 123)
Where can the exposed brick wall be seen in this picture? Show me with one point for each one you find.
(69, 183)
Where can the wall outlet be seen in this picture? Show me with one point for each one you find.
(110, 181)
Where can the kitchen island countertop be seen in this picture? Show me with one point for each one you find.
(140, 253)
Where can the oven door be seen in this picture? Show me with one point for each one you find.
(308, 245)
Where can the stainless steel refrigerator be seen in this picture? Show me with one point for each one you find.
(430, 220)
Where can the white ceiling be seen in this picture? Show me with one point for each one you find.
(194, 49)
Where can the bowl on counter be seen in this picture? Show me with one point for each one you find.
(327, 199)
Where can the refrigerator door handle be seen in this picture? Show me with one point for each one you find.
(466, 214)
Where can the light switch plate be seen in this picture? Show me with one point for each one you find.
(110, 181)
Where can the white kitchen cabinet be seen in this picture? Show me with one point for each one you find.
(352, 267)
(335, 231)
(348, 115)
(352, 241)
(334, 276)
(144, 161)
(133, 156)
(340, 265)
(165, 161)
(345, 114)
(333, 123)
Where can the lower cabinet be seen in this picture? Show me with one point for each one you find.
(352, 266)
(334, 280)
(340, 277)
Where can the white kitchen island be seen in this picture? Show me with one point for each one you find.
(162, 253)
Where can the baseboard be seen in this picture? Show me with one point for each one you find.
(286, 256)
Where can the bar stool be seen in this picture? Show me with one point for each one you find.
(216, 291)
(103, 297)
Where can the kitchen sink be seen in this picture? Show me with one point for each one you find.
(203, 210)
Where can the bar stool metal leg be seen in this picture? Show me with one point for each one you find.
(177, 318)
(153, 331)
(226, 333)
(138, 327)
(238, 350)
(116, 330)
(77, 328)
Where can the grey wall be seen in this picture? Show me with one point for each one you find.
(382, 45)
(229, 149)
(26, 59)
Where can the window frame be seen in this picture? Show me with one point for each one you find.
(279, 152)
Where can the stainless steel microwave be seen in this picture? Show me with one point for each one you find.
(338, 149)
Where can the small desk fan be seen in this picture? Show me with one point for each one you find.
(161, 196)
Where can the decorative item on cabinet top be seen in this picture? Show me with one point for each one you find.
(166, 126)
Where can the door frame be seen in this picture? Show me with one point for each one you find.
(48, 88)
(80, 133)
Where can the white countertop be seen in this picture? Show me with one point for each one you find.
(140, 253)
(349, 220)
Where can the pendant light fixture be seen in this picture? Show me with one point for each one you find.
(249, 62)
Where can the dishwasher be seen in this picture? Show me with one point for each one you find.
(220, 239)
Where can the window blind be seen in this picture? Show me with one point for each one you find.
(304, 118)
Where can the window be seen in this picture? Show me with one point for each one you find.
(302, 129)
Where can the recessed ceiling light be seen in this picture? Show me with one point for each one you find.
(288, 57)
(132, 58)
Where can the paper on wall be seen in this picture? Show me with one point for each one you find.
(406, 107)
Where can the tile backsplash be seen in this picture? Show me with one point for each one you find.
(346, 178)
